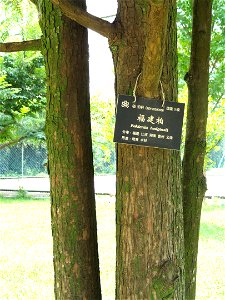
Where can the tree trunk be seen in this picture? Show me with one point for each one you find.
(68, 135)
(149, 201)
(194, 184)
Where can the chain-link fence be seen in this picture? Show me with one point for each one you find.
(23, 160)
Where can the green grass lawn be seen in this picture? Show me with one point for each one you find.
(26, 270)
(211, 258)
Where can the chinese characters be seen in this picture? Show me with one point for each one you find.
(150, 119)
(146, 122)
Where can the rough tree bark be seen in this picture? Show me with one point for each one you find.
(149, 203)
(194, 183)
(68, 133)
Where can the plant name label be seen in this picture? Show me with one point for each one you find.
(148, 122)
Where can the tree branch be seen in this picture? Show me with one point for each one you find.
(32, 45)
(84, 18)
(34, 1)
(217, 102)
(13, 142)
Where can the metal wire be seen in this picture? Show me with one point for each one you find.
(23, 160)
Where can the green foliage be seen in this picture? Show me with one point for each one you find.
(18, 21)
(216, 125)
(22, 76)
(25, 74)
(217, 62)
(21, 193)
(22, 84)
(215, 146)
(20, 115)
(184, 21)
(215, 134)
(102, 116)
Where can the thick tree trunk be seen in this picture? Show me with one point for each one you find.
(149, 202)
(70, 156)
(194, 185)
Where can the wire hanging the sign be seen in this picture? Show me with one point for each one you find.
(163, 95)
(135, 87)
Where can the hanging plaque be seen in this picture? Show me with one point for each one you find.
(149, 122)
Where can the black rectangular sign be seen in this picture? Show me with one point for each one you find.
(148, 122)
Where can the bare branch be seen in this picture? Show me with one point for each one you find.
(32, 45)
(13, 142)
(216, 143)
(217, 102)
(84, 18)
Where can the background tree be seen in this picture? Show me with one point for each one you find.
(22, 102)
(22, 77)
(103, 120)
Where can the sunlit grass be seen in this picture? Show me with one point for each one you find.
(211, 258)
(106, 241)
(26, 270)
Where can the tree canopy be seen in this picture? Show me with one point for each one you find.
(30, 66)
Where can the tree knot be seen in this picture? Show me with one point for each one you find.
(164, 282)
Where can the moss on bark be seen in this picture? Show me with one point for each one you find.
(149, 203)
(68, 133)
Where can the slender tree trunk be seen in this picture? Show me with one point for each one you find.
(149, 201)
(194, 184)
(68, 135)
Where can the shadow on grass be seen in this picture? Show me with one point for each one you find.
(212, 232)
